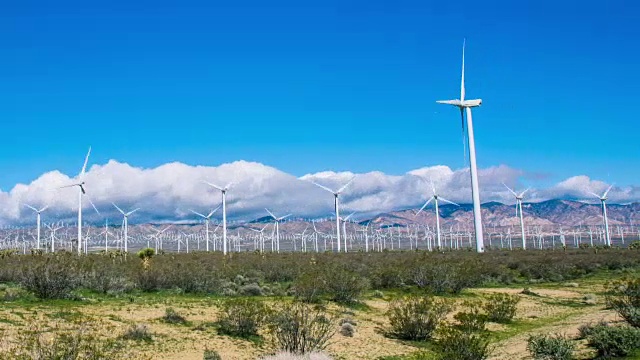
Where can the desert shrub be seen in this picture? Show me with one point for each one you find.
(635, 245)
(550, 347)
(172, 317)
(377, 294)
(455, 344)
(49, 279)
(590, 299)
(442, 278)
(347, 329)
(300, 328)
(252, 289)
(138, 332)
(211, 355)
(13, 294)
(471, 320)
(309, 288)
(241, 317)
(62, 345)
(416, 318)
(501, 307)
(290, 356)
(343, 285)
(614, 341)
(348, 320)
(624, 297)
(585, 330)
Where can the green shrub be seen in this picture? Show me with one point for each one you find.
(501, 307)
(241, 317)
(300, 328)
(624, 297)
(291, 356)
(471, 320)
(416, 318)
(61, 345)
(343, 285)
(347, 329)
(455, 344)
(550, 347)
(585, 330)
(49, 279)
(138, 332)
(614, 341)
(172, 317)
(250, 290)
(211, 355)
(309, 288)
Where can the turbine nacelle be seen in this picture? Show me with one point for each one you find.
(462, 103)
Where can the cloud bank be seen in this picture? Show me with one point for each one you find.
(168, 192)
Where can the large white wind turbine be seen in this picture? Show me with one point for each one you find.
(81, 191)
(207, 219)
(126, 224)
(38, 211)
(466, 105)
(603, 200)
(277, 225)
(519, 198)
(435, 198)
(223, 190)
(336, 195)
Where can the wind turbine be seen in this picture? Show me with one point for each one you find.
(207, 219)
(126, 224)
(336, 195)
(466, 105)
(38, 211)
(519, 198)
(223, 190)
(277, 225)
(603, 200)
(435, 198)
(80, 184)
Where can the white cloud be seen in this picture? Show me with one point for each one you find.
(170, 190)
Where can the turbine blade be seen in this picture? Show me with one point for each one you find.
(44, 208)
(31, 207)
(345, 185)
(92, 205)
(462, 92)
(350, 215)
(464, 139)
(68, 186)
(284, 217)
(122, 212)
(448, 201)
(510, 190)
(213, 185)
(424, 206)
(213, 212)
(197, 213)
(323, 187)
(524, 192)
(132, 211)
(228, 185)
(606, 192)
(594, 194)
(86, 160)
(270, 213)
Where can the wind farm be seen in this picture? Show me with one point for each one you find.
(281, 181)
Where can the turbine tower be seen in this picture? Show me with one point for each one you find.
(223, 190)
(277, 225)
(336, 195)
(435, 199)
(519, 198)
(81, 191)
(126, 224)
(603, 200)
(465, 106)
(38, 211)
(206, 218)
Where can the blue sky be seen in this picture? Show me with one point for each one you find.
(307, 86)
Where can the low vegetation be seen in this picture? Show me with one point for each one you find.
(551, 347)
(416, 318)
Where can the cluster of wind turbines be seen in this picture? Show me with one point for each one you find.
(463, 104)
